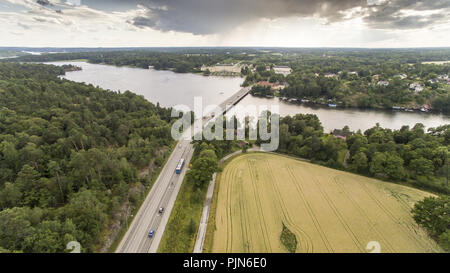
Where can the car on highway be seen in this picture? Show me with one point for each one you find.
(161, 210)
(151, 233)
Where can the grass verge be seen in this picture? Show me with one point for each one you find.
(181, 229)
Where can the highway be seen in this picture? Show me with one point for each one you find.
(163, 194)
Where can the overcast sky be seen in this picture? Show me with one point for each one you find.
(282, 23)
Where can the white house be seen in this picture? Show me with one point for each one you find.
(281, 69)
(401, 76)
(330, 75)
(416, 87)
(382, 83)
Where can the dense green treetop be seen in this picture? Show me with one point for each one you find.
(69, 155)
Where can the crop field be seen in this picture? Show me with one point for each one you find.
(327, 210)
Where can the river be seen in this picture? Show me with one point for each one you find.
(337, 118)
(171, 89)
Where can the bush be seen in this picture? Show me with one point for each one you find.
(433, 214)
(288, 239)
(444, 240)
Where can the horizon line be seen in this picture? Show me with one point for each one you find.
(246, 47)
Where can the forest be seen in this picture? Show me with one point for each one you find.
(70, 157)
(180, 63)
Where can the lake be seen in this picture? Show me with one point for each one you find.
(166, 87)
(171, 89)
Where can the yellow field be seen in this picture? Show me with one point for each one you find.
(327, 210)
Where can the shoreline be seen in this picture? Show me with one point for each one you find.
(340, 107)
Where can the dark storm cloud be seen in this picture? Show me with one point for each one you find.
(392, 14)
(216, 16)
(220, 16)
(213, 16)
(111, 5)
(43, 2)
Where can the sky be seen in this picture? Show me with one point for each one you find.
(271, 23)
